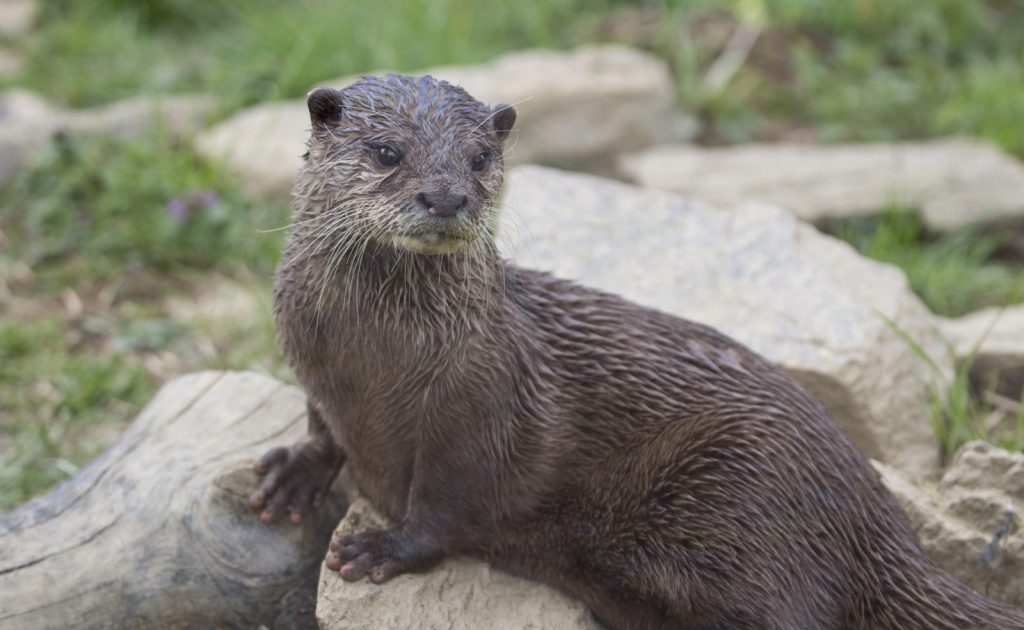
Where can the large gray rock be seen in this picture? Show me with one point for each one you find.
(576, 107)
(806, 301)
(954, 182)
(460, 594)
(959, 520)
(27, 122)
(993, 339)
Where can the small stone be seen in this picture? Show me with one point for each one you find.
(26, 123)
(954, 182)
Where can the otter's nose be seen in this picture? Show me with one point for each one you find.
(442, 205)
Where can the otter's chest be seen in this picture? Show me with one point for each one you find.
(377, 385)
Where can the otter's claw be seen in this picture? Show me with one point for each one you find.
(380, 554)
(295, 479)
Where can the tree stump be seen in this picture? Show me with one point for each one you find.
(157, 532)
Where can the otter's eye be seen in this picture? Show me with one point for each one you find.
(480, 161)
(387, 156)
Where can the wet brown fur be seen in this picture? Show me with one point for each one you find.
(648, 465)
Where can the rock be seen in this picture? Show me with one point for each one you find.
(460, 594)
(577, 107)
(179, 115)
(993, 339)
(11, 63)
(19, 106)
(806, 301)
(16, 17)
(954, 182)
(958, 519)
(263, 145)
(27, 122)
(574, 107)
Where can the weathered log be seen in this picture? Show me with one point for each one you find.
(157, 532)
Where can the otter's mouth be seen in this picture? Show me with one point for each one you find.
(430, 242)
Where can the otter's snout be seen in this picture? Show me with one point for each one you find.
(441, 205)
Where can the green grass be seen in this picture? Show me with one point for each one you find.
(953, 273)
(248, 51)
(93, 209)
(964, 410)
(856, 70)
(54, 403)
(99, 234)
(864, 69)
(962, 415)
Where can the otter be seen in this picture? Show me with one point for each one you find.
(662, 473)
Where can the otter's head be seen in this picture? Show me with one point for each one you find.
(414, 163)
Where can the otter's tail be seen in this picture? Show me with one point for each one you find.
(927, 597)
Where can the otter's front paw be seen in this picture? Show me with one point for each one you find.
(381, 554)
(295, 479)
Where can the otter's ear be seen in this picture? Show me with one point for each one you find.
(502, 120)
(324, 107)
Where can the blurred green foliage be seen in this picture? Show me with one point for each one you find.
(248, 51)
(97, 208)
(953, 273)
(856, 69)
(58, 404)
(960, 417)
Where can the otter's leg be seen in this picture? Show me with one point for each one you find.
(439, 522)
(454, 502)
(295, 479)
(422, 539)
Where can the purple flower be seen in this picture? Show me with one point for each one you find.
(177, 209)
(210, 199)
